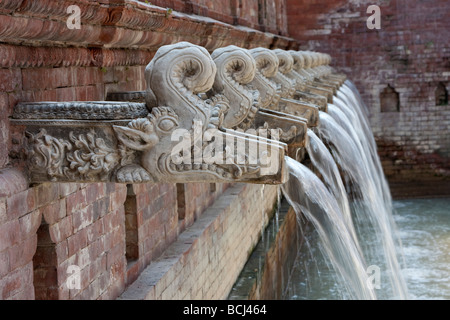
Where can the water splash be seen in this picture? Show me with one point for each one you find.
(324, 162)
(307, 194)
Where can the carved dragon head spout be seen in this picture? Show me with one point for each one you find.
(326, 72)
(269, 79)
(182, 142)
(236, 71)
(285, 63)
(266, 67)
(298, 60)
(173, 137)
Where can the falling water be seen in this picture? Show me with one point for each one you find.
(324, 162)
(307, 194)
(346, 132)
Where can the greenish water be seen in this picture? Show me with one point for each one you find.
(423, 226)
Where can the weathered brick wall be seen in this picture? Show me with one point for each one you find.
(111, 231)
(196, 198)
(410, 53)
(52, 226)
(158, 222)
(207, 258)
(262, 15)
(278, 261)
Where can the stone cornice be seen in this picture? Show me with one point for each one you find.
(121, 24)
(32, 57)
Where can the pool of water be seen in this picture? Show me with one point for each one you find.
(423, 226)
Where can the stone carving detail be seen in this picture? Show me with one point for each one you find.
(143, 135)
(83, 157)
(235, 78)
(176, 129)
(171, 137)
(297, 66)
(47, 153)
(285, 63)
(92, 110)
(267, 83)
(91, 159)
(235, 69)
(267, 67)
(175, 77)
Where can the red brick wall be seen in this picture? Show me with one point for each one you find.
(262, 15)
(46, 228)
(411, 53)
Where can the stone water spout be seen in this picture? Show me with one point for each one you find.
(277, 90)
(303, 91)
(312, 76)
(316, 71)
(327, 73)
(236, 70)
(245, 101)
(174, 136)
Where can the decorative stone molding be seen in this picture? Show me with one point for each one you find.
(132, 96)
(121, 24)
(31, 57)
(92, 110)
(164, 139)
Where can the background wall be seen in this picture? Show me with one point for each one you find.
(411, 54)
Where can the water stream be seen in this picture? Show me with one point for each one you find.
(310, 198)
(354, 242)
(424, 229)
(353, 239)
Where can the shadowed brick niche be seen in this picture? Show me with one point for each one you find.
(441, 95)
(389, 100)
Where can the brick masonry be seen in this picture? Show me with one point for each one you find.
(411, 54)
(54, 226)
(111, 232)
(207, 258)
(268, 271)
(267, 16)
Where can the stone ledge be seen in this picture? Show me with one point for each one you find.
(125, 24)
(193, 254)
